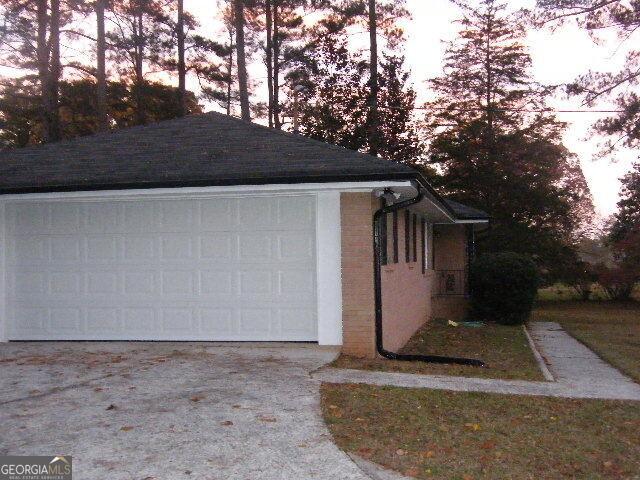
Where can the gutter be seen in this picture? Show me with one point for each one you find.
(377, 266)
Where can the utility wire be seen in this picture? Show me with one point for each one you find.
(523, 110)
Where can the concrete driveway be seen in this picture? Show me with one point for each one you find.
(170, 410)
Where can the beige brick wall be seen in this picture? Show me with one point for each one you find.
(358, 302)
(406, 291)
(450, 254)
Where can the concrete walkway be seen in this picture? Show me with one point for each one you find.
(579, 373)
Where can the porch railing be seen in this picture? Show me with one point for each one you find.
(451, 282)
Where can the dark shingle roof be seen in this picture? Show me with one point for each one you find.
(200, 150)
(465, 212)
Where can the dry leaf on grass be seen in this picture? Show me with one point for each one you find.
(365, 452)
(488, 445)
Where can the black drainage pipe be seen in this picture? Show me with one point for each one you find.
(377, 256)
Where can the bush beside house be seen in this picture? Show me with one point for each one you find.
(503, 288)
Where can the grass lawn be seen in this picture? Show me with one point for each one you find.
(504, 350)
(470, 436)
(610, 329)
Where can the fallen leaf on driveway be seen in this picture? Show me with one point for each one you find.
(111, 407)
(265, 418)
(226, 423)
(97, 389)
(126, 428)
(196, 398)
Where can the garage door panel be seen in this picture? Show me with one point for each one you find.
(205, 269)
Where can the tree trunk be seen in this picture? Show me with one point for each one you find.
(182, 71)
(269, 52)
(230, 71)
(101, 76)
(242, 66)
(43, 69)
(55, 69)
(373, 73)
(276, 67)
(141, 116)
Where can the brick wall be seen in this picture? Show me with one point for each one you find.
(450, 254)
(406, 291)
(406, 295)
(358, 302)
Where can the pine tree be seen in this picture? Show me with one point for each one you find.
(140, 40)
(495, 149)
(627, 219)
(603, 19)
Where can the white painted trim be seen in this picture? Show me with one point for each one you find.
(200, 192)
(4, 326)
(472, 221)
(329, 268)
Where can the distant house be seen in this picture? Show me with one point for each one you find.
(211, 228)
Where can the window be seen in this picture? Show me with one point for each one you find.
(407, 236)
(395, 236)
(423, 235)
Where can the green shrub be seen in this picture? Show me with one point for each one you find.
(503, 288)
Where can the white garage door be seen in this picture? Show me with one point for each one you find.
(174, 269)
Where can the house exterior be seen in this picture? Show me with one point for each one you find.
(208, 228)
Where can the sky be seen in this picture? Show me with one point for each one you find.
(558, 57)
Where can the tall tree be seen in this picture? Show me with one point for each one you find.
(373, 78)
(335, 101)
(497, 148)
(182, 69)
(30, 44)
(101, 70)
(140, 40)
(601, 18)
(243, 82)
(627, 219)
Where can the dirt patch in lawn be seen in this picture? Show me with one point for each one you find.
(504, 349)
(611, 329)
(458, 435)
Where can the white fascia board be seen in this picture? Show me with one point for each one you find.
(205, 192)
